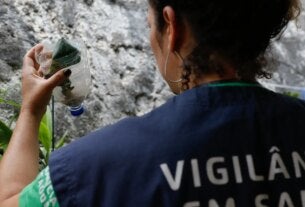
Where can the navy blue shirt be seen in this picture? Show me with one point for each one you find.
(234, 146)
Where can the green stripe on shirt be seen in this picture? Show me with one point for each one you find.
(240, 84)
(40, 193)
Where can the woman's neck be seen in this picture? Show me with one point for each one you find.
(228, 74)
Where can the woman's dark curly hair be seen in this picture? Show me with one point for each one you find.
(237, 31)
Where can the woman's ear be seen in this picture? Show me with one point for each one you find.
(171, 30)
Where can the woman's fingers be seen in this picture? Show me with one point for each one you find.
(58, 78)
(29, 61)
(36, 90)
(45, 66)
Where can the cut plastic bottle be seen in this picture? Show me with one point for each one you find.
(67, 54)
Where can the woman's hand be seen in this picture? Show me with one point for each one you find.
(19, 165)
(37, 91)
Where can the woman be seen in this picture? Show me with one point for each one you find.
(223, 141)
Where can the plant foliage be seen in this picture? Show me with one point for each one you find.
(45, 134)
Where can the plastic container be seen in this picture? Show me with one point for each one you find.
(297, 92)
(67, 54)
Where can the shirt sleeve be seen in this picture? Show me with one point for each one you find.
(40, 193)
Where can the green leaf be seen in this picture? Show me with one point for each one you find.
(12, 120)
(292, 94)
(5, 135)
(3, 100)
(43, 157)
(45, 130)
(61, 141)
(44, 136)
(48, 120)
(9, 102)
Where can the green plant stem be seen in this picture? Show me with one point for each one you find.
(53, 122)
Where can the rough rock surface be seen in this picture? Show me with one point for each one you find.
(125, 81)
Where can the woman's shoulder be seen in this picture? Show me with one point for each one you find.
(125, 132)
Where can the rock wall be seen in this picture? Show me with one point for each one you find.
(125, 81)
